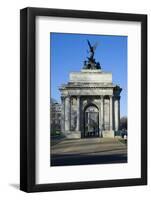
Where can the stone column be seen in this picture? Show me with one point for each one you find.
(111, 113)
(102, 113)
(62, 114)
(78, 114)
(116, 113)
(67, 113)
(100, 122)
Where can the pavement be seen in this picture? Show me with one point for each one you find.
(88, 151)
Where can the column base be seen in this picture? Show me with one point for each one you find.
(72, 134)
(108, 134)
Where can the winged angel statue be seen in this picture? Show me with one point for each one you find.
(92, 49)
(91, 63)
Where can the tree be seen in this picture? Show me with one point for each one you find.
(123, 123)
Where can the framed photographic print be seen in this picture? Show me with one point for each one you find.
(83, 99)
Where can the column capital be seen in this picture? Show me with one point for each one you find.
(67, 96)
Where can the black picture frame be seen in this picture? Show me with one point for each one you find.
(28, 99)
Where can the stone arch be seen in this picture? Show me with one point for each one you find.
(91, 120)
(89, 105)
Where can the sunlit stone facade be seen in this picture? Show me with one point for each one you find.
(90, 105)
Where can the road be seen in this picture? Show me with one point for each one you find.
(88, 151)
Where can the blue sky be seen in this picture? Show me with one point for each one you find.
(68, 51)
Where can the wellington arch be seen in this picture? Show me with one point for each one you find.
(90, 103)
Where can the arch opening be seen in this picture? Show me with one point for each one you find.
(91, 121)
